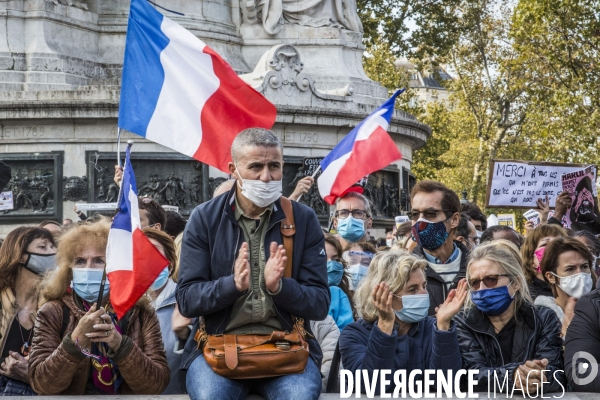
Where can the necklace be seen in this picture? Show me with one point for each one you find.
(26, 347)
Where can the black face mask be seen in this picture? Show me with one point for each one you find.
(40, 263)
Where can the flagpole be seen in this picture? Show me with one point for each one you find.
(103, 281)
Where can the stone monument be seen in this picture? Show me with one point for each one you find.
(60, 68)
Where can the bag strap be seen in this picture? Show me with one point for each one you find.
(288, 230)
(333, 382)
(65, 320)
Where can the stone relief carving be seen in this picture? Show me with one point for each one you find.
(281, 68)
(274, 14)
(32, 193)
(213, 184)
(77, 4)
(75, 188)
(383, 193)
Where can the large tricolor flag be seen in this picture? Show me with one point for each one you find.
(368, 148)
(176, 91)
(132, 262)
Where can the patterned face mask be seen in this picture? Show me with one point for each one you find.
(429, 235)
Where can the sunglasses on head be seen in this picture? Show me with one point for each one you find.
(490, 281)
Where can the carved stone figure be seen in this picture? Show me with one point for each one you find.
(70, 3)
(299, 175)
(273, 14)
(170, 190)
(22, 198)
(75, 188)
(213, 184)
(194, 188)
(151, 188)
(46, 194)
(111, 193)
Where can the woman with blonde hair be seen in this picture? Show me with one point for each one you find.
(395, 332)
(81, 348)
(501, 333)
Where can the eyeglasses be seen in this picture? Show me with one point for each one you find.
(490, 281)
(428, 214)
(475, 239)
(358, 214)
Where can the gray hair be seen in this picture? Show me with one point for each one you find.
(252, 137)
(505, 254)
(356, 195)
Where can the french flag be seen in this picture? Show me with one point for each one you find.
(176, 91)
(368, 148)
(132, 261)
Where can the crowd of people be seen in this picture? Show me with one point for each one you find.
(259, 298)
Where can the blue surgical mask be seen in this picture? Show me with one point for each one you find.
(429, 235)
(494, 301)
(414, 308)
(335, 272)
(351, 229)
(161, 280)
(357, 273)
(86, 283)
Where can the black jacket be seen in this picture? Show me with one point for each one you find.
(435, 283)
(537, 336)
(210, 246)
(583, 335)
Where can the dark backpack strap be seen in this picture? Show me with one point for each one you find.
(333, 381)
(65, 320)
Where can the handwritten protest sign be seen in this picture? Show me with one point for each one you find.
(518, 184)
(96, 206)
(507, 220)
(532, 215)
(583, 214)
(400, 219)
(310, 165)
(6, 201)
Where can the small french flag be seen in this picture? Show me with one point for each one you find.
(176, 91)
(368, 148)
(132, 261)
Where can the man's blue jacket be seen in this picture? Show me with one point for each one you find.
(210, 246)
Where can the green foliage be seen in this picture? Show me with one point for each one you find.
(527, 80)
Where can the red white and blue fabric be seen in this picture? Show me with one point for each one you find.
(176, 91)
(368, 148)
(132, 261)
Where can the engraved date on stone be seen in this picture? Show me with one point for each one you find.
(300, 137)
(19, 132)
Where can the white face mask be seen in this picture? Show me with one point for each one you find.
(575, 285)
(260, 193)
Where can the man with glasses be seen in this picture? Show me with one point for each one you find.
(435, 216)
(352, 218)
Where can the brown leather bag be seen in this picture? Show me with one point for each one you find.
(260, 356)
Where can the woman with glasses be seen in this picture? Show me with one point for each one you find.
(395, 332)
(358, 257)
(501, 333)
(567, 268)
(532, 252)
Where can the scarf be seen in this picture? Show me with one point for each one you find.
(105, 373)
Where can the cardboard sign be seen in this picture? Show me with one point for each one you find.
(96, 206)
(507, 220)
(518, 184)
(401, 219)
(6, 201)
(583, 214)
(532, 215)
(310, 165)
